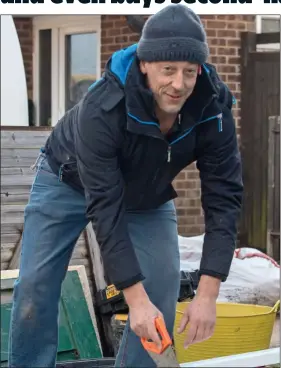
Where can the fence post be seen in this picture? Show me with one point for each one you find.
(248, 45)
(273, 188)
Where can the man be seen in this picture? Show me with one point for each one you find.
(111, 160)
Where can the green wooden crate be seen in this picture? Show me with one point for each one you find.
(77, 336)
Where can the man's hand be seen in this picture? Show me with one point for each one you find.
(142, 313)
(200, 314)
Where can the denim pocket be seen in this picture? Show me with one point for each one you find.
(45, 167)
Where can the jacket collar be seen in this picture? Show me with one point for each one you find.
(140, 104)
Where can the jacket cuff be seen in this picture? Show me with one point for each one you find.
(122, 269)
(217, 256)
(212, 274)
(130, 282)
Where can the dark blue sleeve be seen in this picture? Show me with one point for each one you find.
(220, 170)
(98, 165)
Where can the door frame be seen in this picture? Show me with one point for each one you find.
(269, 46)
(60, 25)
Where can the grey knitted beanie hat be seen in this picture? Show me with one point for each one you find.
(175, 33)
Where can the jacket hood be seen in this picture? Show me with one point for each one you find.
(225, 97)
(121, 61)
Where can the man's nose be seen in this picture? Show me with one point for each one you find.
(178, 82)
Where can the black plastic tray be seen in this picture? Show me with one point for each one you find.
(91, 363)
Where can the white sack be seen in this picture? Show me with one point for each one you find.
(253, 277)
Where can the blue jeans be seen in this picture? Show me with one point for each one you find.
(54, 219)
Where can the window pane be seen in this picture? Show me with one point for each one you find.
(81, 68)
(270, 25)
(45, 79)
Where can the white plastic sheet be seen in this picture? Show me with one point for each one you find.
(253, 277)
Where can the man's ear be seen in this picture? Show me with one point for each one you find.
(143, 67)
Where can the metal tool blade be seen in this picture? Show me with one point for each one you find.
(166, 359)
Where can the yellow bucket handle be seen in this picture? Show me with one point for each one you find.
(275, 307)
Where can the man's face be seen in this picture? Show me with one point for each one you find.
(170, 82)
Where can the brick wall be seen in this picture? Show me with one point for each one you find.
(24, 30)
(223, 33)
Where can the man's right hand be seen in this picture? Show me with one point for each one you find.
(142, 313)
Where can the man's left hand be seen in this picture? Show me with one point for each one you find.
(200, 315)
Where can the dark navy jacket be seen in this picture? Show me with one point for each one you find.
(110, 148)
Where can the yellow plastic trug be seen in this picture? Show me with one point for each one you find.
(240, 328)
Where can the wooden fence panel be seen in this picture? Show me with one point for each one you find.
(19, 150)
(260, 99)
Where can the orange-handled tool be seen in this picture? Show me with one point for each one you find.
(164, 356)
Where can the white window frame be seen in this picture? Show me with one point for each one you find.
(270, 46)
(60, 26)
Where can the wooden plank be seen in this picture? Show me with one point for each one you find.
(77, 311)
(8, 274)
(15, 219)
(270, 184)
(15, 198)
(9, 240)
(265, 57)
(5, 246)
(90, 278)
(79, 252)
(6, 255)
(16, 162)
(14, 261)
(36, 146)
(13, 153)
(16, 171)
(96, 259)
(76, 301)
(8, 227)
(275, 231)
(19, 134)
(23, 142)
(36, 129)
(22, 181)
(15, 190)
(82, 242)
(11, 209)
(7, 284)
(10, 253)
(4, 265)
(79, 262)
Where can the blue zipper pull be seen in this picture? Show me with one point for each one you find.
(220, 122)
(169, 154)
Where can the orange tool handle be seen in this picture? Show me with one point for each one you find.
(164, 336)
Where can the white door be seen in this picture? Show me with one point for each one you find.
(66, 63)
(14, 97)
